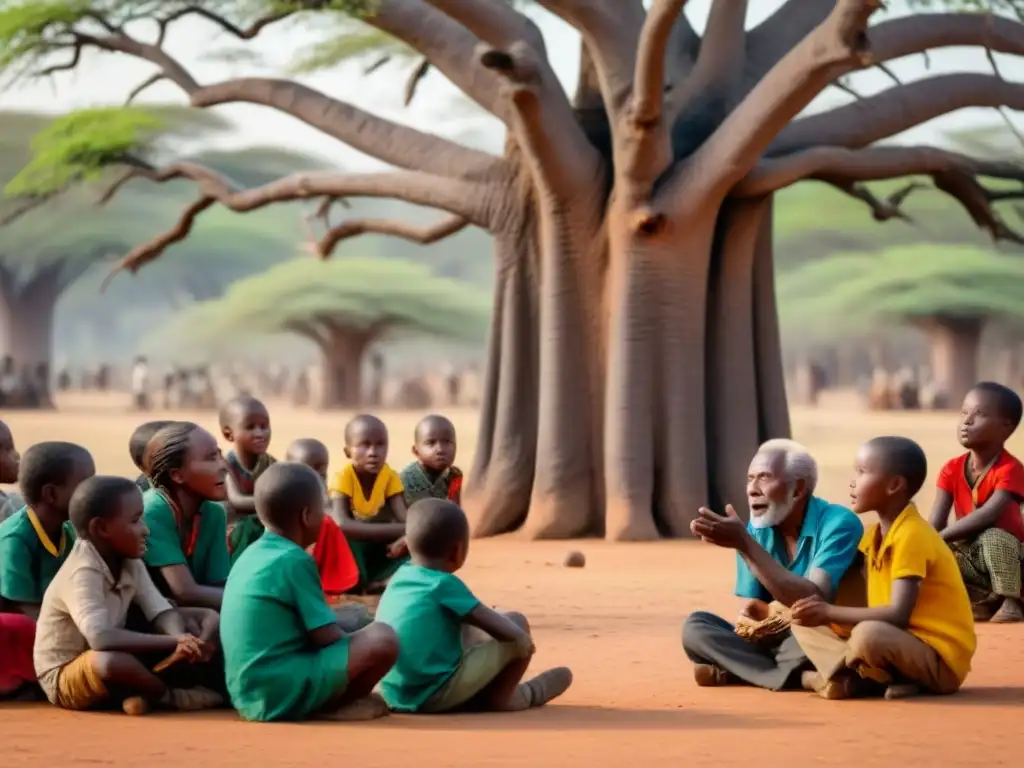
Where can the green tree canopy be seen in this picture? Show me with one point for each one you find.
(387, 298)
(857, 293)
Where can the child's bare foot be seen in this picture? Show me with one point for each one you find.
(902, 691)
(369, 707)
(136, 706)
(843, 685)
(811, 680)
(1009, 612)
(194, 699)
(710, 676)
(547, 686)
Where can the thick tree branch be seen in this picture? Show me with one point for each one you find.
(896, 110)
(456, 197)
(419, 235)
(803, 73)
(953, 173)
(649, 79)
(390, 142)
(774, 37)
(494, 22)
(719, 68)
(444, 43)
(610, 30)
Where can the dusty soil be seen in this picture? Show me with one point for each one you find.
(616, 622)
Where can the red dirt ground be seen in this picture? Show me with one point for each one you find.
(617, 623)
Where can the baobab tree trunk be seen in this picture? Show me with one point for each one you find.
(955, 343)
(26, 318)
(342, 368)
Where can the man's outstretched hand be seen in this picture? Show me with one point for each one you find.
(726, 530)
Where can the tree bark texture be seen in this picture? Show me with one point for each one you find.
(343, 353)
(634, 360)
(955, 343)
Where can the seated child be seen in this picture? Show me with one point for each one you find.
(440, 666)
(83, 653)
(10, 502)
(369, 504)
(37, 539)
(187, 551)
(244, 422)
(433, 474)
(334, 560)
(137, 448)
(917, 631)
(985, 487)
(285, 656)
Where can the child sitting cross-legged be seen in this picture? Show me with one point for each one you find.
(917, 633)
(84, 656)
(245, 423)
(455, 652)
(285, 656)
(369, 504)
(985, 487)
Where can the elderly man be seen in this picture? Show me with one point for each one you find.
(794, 546)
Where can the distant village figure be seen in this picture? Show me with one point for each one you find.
(63, 378)
(168, 390)
(413, 393)
(140, 383)
(880, 392)
(933, 396)
(9, 382)
(39, 386)
(300, 389)
(906, 393)
(375, 395)
(103, 377)
(452, 383)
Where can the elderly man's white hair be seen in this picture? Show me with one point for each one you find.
(797, 461)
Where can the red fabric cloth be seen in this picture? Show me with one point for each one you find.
(338, 569)
(1007, 474)
(17, 635)
(455, 488)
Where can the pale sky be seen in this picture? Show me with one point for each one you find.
(439, 107)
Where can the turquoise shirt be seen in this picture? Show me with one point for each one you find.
(426, 608)
(208, 563)
(26, 566)
(828, 540)
(272, 601)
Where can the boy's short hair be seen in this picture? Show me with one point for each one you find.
(434, 527)
(902, 457)
(362, 421)
(97, 498)
(49, 463)
(140, 439)
(229, 412)
(1007, 401)
(283, 490)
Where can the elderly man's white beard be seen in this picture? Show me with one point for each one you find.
(774, 515)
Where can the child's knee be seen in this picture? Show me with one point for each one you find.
(378, 643)
(112, 665)
(518, 619)
(867, 639)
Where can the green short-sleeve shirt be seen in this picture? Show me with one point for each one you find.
(26, 566)
(272, 600)
(426, 608)
(209, 562)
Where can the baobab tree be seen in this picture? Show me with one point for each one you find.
(634, 357)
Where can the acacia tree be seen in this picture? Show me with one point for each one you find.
(344, 307)
(634, 357)
(949, 292)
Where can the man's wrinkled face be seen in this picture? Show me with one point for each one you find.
(770, 496)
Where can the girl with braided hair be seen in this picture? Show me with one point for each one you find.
(187, 551)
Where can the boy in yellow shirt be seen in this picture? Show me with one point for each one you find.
(917, 632)
(368, 502)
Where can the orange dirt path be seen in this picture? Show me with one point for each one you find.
(617, 623)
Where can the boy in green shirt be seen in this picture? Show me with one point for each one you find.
(445, 661)
(285, 656)
(36, 540)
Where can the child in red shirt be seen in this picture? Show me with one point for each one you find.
(985, 488)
